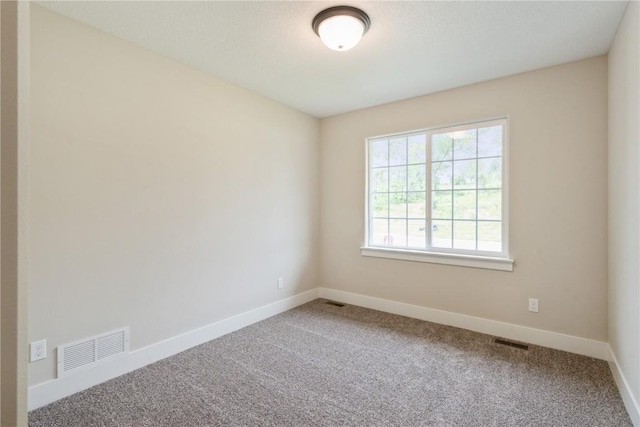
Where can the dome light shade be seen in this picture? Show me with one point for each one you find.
(341, 28)
(340, 32)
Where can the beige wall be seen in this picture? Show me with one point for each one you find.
(162, 198)
(14, 132)
(624, 195)
(558, 184)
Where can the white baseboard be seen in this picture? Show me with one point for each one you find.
(583, 346)
(630, 402)
(50, 391)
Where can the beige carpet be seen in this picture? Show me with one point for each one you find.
(322, 365)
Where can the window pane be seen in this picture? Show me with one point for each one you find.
(464, 204)
(490, 141)
(490, 173)
(398, 232)
(464, 235)
(417, 177)
(441, 204)
(380, 180)
(442, 175)
(490, 236)
(462, 171)
(490, 204)
(417, 149)
(379, 153)
(398, 151)
(379, 231)
(441, 234)
(417, 205)
(464, 144)
(398, 178)
(441, 147)
(417, 234)
(380, 205)
(397, 205)
(464, 174)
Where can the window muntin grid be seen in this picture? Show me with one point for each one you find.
(440, 190)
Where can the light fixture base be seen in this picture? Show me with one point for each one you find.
(344, 11)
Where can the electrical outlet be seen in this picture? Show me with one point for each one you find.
(38, 350)
(533, 305)
(280, 283)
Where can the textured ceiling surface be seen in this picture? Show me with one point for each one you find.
(412, 48)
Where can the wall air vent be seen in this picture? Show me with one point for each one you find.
(92, 351)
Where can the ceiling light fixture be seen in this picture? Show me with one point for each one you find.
(341, 28)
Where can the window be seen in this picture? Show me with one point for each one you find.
(440, 192)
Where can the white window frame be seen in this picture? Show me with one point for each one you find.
(458, 257)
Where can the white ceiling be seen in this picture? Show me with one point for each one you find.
(413, 47)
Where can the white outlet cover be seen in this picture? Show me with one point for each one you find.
(533, 305)
(37, 350)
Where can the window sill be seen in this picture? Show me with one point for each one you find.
(491, 263)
